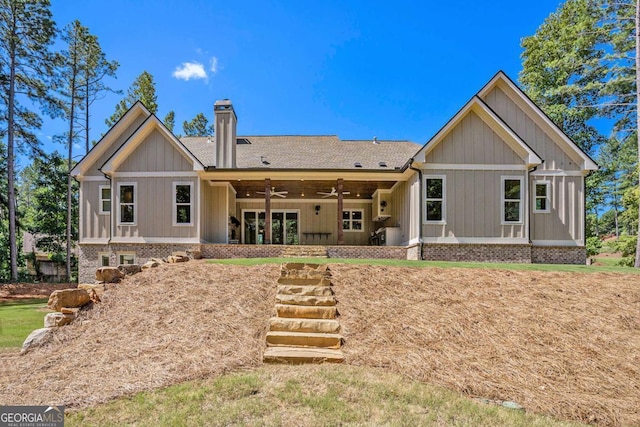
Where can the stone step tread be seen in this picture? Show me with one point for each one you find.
(304, 325)
(297, 355)
(306, 300)
(305, 281)
(306, 312)
(303, 339)
(309, 290)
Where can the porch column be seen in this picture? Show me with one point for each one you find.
(340, 231)
(267, 211)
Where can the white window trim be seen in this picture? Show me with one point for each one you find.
(119, 254)
(547, 197)
(444, 199)
(350, 229)
(174, 203)
(503, 200)
(103, 254)
(135, 203)
(101, 200)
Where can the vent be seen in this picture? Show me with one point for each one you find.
(357, 164)
(242, 141)
(264, 160)
(382, 164)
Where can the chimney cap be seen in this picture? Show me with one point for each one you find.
(223, 104)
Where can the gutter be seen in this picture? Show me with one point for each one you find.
(410, 163)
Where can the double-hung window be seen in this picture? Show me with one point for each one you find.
(105, 199)
(512, 191)
(127, 203)
(182, 203)
(542, 202)
(435, 198)
(352, 219)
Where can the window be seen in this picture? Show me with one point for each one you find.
(512, 199)
(352, 220)
(127, 200)
(541, 203)
(103, 258)
(105, 199)
(434, 196)
(182, 203)
(126, 258)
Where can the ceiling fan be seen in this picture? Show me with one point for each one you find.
(273, 192)
(332, 193)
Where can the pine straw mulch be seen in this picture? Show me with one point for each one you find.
(563, 344)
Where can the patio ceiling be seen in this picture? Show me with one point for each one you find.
(247, 189)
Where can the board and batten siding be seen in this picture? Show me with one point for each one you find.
(564, 221)
(155, 153)
(405, 209)
(94, 170)
(154, 209)
(472, 141)
(555, 158)
(214, 213)
(473, 206)
(325, 222)
(94, 224)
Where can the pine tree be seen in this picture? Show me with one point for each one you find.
(143, 89)
(26, 33)
(170, 120)
(198, 126)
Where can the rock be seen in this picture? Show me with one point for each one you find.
(512, 405)
(172, 259)
(109, 274)
(93, 296)
(158, 260)
(150, 264)
(194, 254)
(130, 269)
(67, 310)
(98, 288)
(68, 298)
(36, 338)
(53, 320)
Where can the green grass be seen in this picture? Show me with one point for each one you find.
(18, 319)
(438, 264)
(302, 396)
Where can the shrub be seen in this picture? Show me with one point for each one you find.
(594, 245)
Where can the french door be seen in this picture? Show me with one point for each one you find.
(284, 227)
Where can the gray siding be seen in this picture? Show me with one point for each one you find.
(564, 221)
(115, 145)
(554, 157)
(94, 224)
(473, 206)
(155, 153)
(472, 141)
(214, 207)
(154, 216)
(405, 209)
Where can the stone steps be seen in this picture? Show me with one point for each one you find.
(305, 329)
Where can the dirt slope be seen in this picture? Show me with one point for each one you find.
(558, 343)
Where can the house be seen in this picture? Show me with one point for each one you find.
(499, 182)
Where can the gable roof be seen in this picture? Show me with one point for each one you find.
(488, 116)
(151, 123)
(502, 81)
(105, 142)
(308, 152)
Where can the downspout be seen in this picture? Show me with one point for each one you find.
(419, 204)
(530, 208)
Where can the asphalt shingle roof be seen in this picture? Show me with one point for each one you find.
(307, 152)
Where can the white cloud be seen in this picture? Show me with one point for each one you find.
(190, 70)
(213, 65)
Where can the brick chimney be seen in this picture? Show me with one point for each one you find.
(225, 134)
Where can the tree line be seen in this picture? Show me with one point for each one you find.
(38, 81)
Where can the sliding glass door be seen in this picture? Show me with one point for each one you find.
(284, 227)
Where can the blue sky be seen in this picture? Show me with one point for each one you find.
(358, 69)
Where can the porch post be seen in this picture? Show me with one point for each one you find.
(267, 211)
(340, 205)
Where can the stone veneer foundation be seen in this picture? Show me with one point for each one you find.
(89, 262)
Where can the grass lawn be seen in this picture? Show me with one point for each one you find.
(438, 264)
(18, 319)
(304, 396)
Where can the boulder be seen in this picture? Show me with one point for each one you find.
(150, 264)
(158, 260)
(130, 269)
(36, 338)
(53, 320)
(109, 274)
(194, 254)
(172, 259)
(68, 298)
(98, 288)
